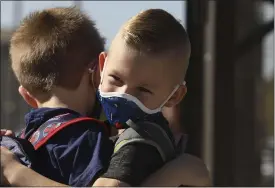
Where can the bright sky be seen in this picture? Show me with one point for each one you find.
(109, 16)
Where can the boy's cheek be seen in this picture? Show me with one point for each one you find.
(97, 78)
(151, 102)
(107, 87)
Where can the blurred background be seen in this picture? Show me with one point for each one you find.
(229, 109)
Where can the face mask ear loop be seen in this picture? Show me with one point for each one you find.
(172, 93)
(102, 73)
(92, 72)
(184, 83)
(93, 82)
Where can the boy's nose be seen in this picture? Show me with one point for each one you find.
(128, 90)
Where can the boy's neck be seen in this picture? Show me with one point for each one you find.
(55, 102)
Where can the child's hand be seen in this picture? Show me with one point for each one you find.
(8, 160)
(5, 132)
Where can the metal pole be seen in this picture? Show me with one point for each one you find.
(208, 92)
(192, 106)
(236, 136)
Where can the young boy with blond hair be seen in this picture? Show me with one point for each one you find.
(143, 72)
(53, 54)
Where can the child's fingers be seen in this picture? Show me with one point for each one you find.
(9, 133)
(5, 132)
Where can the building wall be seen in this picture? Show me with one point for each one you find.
(13, 108)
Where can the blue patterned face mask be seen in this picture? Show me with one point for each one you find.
(122, 107)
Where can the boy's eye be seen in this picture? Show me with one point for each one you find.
(142, 89)
(116, 78)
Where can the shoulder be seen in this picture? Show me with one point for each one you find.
(133, 162)
(79, 126)
(148, 133)
(83, 148)
(85, 134)
(137, 150)
(91, 124)
(187, 170)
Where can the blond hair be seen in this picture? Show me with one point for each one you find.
(155, 31)
(53, 47)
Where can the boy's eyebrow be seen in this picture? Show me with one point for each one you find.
(114, 72)
(118, 74)
(148, 86)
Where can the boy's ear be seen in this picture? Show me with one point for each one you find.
(30, 100)
(96, 78)
(102, 59)
(177, 96)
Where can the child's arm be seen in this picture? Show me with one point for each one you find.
(79, 155)
(194, 173)
(19, 175)
(15, 174)
(30, 178)
(131, 165)
(187, 170)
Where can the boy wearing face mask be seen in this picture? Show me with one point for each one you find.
(143, 72)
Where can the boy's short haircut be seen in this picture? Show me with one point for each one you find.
(53, 47)
(155, 31)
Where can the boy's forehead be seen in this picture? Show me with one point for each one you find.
(145, 71)
(152, 69)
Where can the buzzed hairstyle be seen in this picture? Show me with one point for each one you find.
(54, 47)
(155, 31)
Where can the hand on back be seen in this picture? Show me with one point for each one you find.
(5, 132)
